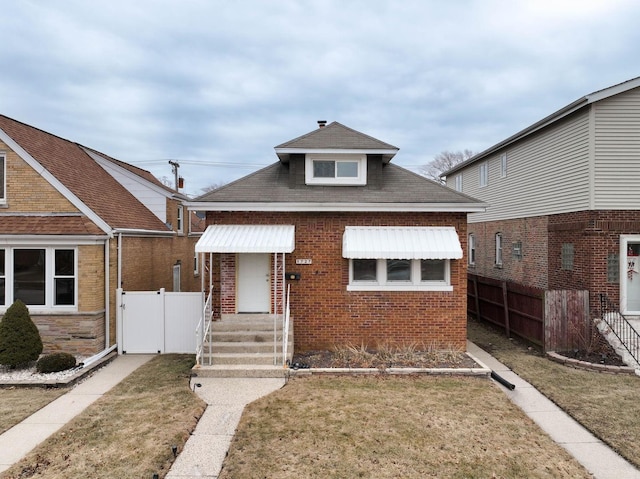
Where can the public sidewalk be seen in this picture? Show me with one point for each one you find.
(591, 452)
(18, 441)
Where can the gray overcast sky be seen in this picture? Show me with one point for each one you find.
(217, 84)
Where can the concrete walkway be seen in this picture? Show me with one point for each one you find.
(206, 449)
(18, 441)
(592, 453)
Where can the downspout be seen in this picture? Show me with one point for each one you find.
(107, 302)
(119, 283)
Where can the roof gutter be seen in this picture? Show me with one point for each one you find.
(140, 232)
(476, 207)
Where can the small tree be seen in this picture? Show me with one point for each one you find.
(20, 341)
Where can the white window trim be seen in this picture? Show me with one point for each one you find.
(50, 276)
(484, 174)
(458, 182)
(361, 179)
(472, 249)
(381, 284)
(498, 249)
(180, 219)
(196, 264)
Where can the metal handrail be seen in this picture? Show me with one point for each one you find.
(204, 328)
(620, 326)
(285, 328)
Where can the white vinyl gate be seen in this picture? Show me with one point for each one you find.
(157, 321)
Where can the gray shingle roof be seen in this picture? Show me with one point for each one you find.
(337, 136)
(271, 185)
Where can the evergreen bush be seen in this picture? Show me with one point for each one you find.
(54, 362)
(20, 341)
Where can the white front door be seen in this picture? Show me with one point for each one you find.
(254, 283)
(630, 274)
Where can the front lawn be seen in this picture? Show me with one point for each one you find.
(390, 427)
(606, 404)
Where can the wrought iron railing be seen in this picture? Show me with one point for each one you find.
(620, 326)
(203, 330)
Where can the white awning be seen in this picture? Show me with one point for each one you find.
(247, 239)
(401, 242)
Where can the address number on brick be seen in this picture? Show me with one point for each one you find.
(303, 261)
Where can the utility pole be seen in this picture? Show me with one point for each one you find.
(174, 169)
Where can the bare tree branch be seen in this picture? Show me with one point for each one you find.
(444, 161)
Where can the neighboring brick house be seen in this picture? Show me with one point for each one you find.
(375, 251)
(563, 200)
(75, 225)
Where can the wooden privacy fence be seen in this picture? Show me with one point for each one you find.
(554, 320)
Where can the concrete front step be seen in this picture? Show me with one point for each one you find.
(246, 336)
(249, 324)
(244, 347)
(239, 371)
(245, 358)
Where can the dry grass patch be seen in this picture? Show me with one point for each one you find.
(389, 427)
(606, 404)
(128, 433)
(17, 404)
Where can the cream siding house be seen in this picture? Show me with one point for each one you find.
(565, 205)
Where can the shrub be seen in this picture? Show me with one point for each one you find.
(20, 341)
(52, 363)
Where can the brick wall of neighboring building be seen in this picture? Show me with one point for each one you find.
(529, 268)
(326, 314)
(147, 263)
(594, 236)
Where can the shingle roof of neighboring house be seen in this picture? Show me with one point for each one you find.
(47, 225)
(335, 136)
(271, 185)
(83, 177)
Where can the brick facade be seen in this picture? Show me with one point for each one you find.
(326, 314)
(81, 334)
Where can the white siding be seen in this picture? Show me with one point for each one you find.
(548, 173)
(156, 202)
(617, 152)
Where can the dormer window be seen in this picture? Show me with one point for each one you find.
(336, 169)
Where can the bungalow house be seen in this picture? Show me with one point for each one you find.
(371, 252)
(563, 200)
(75, 225)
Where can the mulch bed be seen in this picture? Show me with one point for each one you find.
(428, 359)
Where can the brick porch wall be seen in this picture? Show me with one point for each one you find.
(326, 314)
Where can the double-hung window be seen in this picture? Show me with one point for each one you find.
(180, 219)
(484, 174)
(336, 170)
(498, 249)
(472, 249)
(458, 182)
(41, 278)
